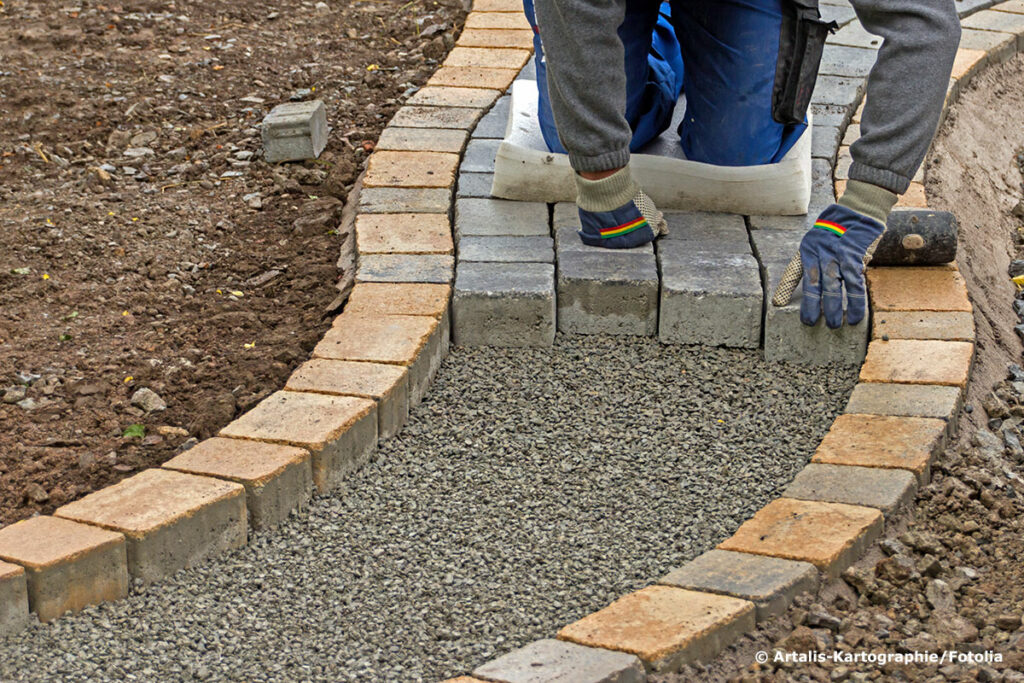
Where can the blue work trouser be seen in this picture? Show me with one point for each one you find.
(721, 53)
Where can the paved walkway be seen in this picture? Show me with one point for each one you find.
(529, 489)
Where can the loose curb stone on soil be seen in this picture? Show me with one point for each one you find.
(171, 519)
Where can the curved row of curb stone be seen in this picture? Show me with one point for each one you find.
(382, 352)
(370, 368)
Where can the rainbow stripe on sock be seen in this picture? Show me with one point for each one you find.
(831, 227)
(624, 229)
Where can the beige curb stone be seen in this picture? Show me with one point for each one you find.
(917, 289)
(512, 38)
(171, 520)
(666, 627)
(68, 566)
(388, 385)
(395, 339)
(404, 233)
(488, 57)
(918, 362)
(463, 118)
(831, 536)
(414, 341)
(385, 298)
(498, 20)
(939, 325)
(450, 96)
(906, 443)
(474, 77)
(967, 62)
(411, 169)
(396, 139)
(497, 6)
(1011, 6)
(13, 599)
(277, 479)
(339, 431)
(464, 679)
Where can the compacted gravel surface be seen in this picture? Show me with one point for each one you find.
(529, 489)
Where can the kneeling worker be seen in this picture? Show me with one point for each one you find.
(615, 68)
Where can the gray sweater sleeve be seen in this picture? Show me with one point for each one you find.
(906, 88)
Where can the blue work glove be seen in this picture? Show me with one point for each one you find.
(832, 254)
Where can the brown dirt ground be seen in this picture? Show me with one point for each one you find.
(129, 257)
(966, 529)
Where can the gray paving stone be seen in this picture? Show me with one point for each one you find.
(404, 200)
(854, 35)
(800, 223)
(830, 114)
(771, 245)
(436, 268)
(770, 583)
(554, 660)
(566, 213)
(823, 190)
(494, 122)
(844, 91)
(504, 304)
(532, 249)
(708, 297)
(476, 185)
(843, 60)
(905, 400)
(885, 489)
(567, 239)
(13, 599)
(612, 292)
(701, 226)
(529, 72)
(492, 217)
(824, 142)
(786, 339)
(479, 156)
(294, 131)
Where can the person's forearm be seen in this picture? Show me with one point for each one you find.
(587, 80)
(906, 89)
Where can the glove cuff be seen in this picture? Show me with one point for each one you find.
(867, 199)
(607, 194)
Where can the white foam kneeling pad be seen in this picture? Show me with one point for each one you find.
(525, 170)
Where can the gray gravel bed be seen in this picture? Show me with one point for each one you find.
(529, 489)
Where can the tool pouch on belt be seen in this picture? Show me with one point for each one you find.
(800, 46)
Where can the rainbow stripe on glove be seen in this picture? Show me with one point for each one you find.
(834, 228)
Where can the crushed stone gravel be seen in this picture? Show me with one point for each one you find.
(529, 489)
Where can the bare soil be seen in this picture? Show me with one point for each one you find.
(949, 574)
(144, 243)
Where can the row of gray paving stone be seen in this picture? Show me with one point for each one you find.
(522, 272)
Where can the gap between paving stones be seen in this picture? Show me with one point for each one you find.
(846, 527)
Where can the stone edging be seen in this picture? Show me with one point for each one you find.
(370, 368)
(382, 352)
